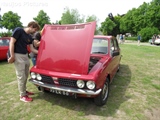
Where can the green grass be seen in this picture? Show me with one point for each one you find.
(134, 93)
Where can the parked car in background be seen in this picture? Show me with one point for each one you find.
(4, 46)
(73, 62)
(157, 42)
(151, 41)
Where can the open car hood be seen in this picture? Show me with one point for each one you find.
(66, 48)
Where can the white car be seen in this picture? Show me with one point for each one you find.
(157, 42)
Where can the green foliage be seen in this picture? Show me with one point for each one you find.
(117, 28)
(107, 27)
(111, 27)
(42, 18)
(127, 22)
(131, 38)
(146, 15)
(71, 16)
(148, 32)
(10, 21)
(6, 34)
(93, 18)
(0, 21)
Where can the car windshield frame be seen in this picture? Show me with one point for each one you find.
(99, 46)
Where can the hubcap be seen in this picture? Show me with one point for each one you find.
(105, 91)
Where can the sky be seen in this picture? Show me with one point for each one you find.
(28, 9)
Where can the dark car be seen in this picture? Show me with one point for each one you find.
(73, 62)
(4, 46)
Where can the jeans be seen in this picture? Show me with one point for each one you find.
(34, 61)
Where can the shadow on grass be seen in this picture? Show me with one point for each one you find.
(3, 62)
(86, 106)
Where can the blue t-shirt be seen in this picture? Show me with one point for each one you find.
(139, 37)
(22, 40)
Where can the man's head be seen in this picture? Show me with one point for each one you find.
(33, 27)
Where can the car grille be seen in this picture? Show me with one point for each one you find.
(47, 79)
(61, 81)
(67, 82)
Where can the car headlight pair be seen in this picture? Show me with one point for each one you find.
(34, 76)
(89, 84)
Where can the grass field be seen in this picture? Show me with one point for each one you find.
(134, 93)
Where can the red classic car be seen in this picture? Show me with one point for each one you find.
(4, 44)
(72, 61)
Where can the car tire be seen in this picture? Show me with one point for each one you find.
(101, 99)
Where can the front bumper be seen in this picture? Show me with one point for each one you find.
(66, 89)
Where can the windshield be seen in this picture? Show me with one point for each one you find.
(99, 46)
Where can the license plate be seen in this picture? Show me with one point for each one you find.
(59, 92)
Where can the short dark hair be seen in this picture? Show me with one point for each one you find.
(34, 25)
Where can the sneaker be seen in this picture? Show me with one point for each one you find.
(29, 93)
(26, 98)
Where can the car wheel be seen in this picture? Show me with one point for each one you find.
(101, 99)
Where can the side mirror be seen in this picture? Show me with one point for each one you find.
(115, 53)
(112, 48)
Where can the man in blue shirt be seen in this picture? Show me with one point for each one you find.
(139, 39)
(21, 37)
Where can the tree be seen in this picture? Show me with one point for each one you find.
(71, 16)
(147, 33)
(116, 29)
(107, 27)
(42, 18)
(93, 18)
(10, 20)
(127, 22)
(154, 12)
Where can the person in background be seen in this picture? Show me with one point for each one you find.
(153, 38)
(21, 37)
(36, 43)
(117, 37)
(139, 39)
(121, 38)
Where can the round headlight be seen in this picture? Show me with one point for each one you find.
(90, 85)
(39, 77)
(33, 75)
(80, 83)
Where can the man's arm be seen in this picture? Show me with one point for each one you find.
(11, 49)
(36, 43)
(37, 38)
(32, 49)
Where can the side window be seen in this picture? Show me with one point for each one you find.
(1, 43)
(111, 47)
(115, 44)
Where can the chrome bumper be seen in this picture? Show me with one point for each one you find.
(66, 89)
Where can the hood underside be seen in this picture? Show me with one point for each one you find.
(66, 48)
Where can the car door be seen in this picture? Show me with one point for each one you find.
(114, 49)
(4, 45)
